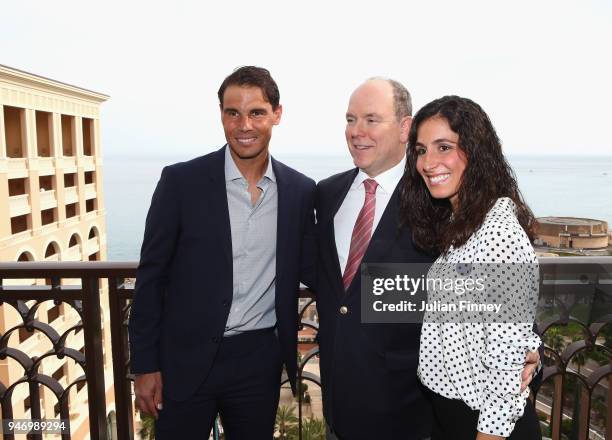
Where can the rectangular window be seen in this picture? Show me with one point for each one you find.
(13, 131)
(46, 183)
(67, 131)
(59, 373)
(17, 187)
(88, 137)
(19, 224)
(43, 133)
(53, 313)
(24, 334)
(71, 210)
(47, 216)
(69, 180)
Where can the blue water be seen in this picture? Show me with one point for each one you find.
(553, 186)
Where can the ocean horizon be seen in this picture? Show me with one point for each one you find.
(563, 186)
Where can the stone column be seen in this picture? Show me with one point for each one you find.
(5, 220)
(29, 130)
(58, 153)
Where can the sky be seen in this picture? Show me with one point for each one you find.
(542, 70)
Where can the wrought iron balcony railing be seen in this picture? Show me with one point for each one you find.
(574, 317)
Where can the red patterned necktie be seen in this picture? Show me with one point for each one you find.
(361, 233)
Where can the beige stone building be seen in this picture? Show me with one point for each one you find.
(52, 209)
(572, 233)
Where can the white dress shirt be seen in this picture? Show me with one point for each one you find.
(345, 218)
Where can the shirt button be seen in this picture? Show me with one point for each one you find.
(344, 310)
(216, 339)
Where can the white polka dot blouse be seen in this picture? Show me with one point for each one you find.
(481, 362)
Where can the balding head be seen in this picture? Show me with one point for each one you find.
(376, 93)
(376, 137)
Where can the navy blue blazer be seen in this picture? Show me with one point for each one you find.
(183, 288)
(368, 371)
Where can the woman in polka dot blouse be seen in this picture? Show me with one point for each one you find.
(461, 200)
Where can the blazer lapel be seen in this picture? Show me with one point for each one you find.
(218, 198)
(329, 240)
(287, 208)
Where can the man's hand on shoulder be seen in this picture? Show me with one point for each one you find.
(148, 389)
(531, 364)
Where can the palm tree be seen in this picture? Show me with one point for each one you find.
(286, 422)
(313, 429)
(554, 339)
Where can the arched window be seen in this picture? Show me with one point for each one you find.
(74, 240)
(52, 249)
(93, 233)
(25, 256)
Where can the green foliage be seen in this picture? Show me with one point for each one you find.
(566, 426)
(554, 339)
(606, 332)
(147, 431)
(287, 426)
(580, 358)
(313, 429)
(286, 422)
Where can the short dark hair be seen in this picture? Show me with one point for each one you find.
(252, 76)
(487, 177)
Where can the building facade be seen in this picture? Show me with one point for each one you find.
(52, 209)
(572, 233)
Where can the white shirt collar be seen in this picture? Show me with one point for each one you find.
(387, 180)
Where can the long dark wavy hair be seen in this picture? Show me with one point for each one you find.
(487, 177)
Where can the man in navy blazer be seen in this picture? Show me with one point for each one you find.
(369, 371)
(226, 243)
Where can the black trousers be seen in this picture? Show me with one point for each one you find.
(243, 387)
(453, 419)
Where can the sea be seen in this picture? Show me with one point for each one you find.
(567, 186)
